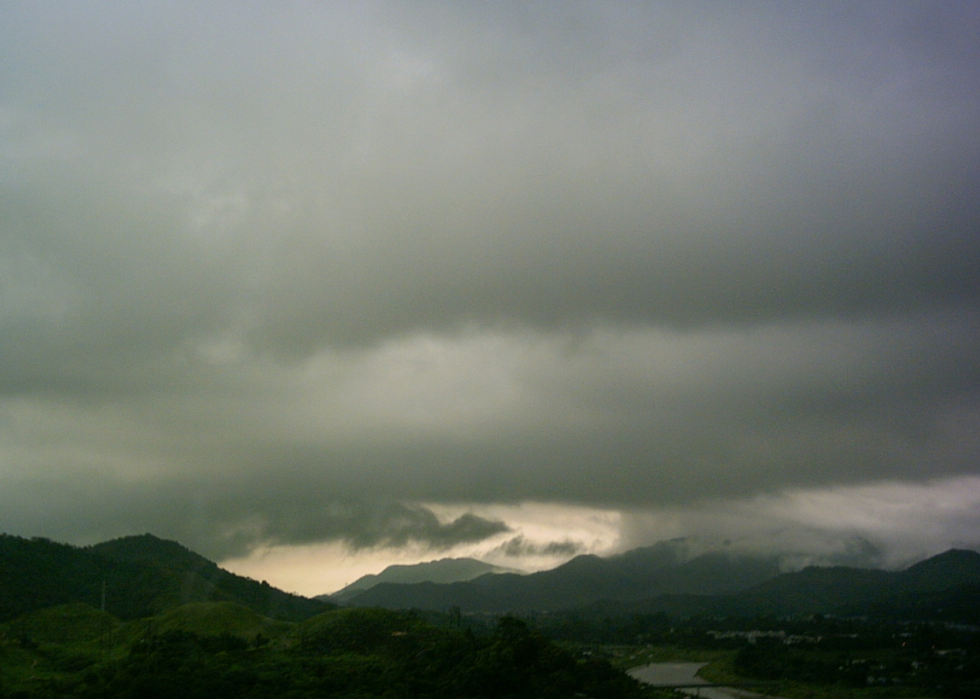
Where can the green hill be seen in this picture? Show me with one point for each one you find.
(204, 650)
(141, 576)
(65, 623)
(209, 619)
(38, 573)
(188, 577)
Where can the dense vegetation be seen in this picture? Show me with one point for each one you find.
(76, 651)
(813, 657)
(175, 624)
(139, 575)
(911, 660)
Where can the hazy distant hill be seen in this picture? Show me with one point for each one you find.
(816, 589)
(632, 576)
(143, 576)
(941, 587)
(947, 570)
(658, 579)
(446, 570)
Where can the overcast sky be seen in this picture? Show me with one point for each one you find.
(315, 286)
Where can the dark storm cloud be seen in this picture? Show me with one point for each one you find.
(224, 520)
(399, 525)
(520, 546)
(297, 268)
(714, 184)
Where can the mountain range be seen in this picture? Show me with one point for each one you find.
(142, 576)
(446, 570)
(659, 579)
(626, 578)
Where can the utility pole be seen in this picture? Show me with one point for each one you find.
(106, 636)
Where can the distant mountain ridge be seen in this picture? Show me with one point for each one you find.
(445, 570)
(141, 576)
(658, 579)
(628, 577)
(854, 590)
(144, 576)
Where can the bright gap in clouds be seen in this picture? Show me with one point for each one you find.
(886, 525)
(542, 536)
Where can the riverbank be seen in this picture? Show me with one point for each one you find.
(686, 673)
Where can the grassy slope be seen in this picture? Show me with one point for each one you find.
(58, 642)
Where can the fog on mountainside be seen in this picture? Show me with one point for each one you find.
(656, 579)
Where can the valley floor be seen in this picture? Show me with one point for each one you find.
(673, 674)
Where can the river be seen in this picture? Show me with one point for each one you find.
(672, 674)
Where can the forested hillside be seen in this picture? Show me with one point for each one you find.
(139, 576)
(217, 650)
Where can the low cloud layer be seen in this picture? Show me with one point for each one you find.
(520, 547)
(278, 275)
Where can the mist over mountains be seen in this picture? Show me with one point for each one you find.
(144, 575)
(176, 622)
(628, 577)
(665, 578)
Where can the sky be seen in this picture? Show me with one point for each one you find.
(315, 287)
